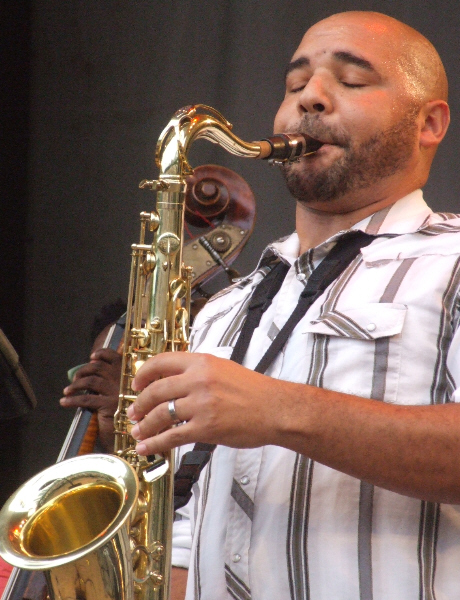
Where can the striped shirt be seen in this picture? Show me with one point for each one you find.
(270, 524)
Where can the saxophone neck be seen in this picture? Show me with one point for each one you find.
(189, 124)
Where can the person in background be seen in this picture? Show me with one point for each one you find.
(96, 384)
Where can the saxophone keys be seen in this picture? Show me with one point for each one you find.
(157, 578)
(149, 264)
(177, 289)
(154, 185)
(151, 218)
(157, 550)
(169, 244)
(141, 335)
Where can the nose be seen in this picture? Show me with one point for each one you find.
(315, 97)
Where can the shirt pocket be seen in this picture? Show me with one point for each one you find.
(368, 322)
(358, 350)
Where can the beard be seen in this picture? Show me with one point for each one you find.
(360, 166)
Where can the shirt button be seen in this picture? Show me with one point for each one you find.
(371, 327)
(301, 276)
(236, 558)
(245, 480)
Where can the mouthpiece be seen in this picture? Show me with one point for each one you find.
(288, 147)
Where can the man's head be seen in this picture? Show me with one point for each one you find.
(374, 90)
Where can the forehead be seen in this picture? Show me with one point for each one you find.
(371, 41)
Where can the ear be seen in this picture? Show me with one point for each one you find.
(436, 119)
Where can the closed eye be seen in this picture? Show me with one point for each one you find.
(352, 85)
(297, 89)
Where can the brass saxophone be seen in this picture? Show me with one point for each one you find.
(100, 526)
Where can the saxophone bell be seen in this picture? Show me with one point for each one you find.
(70, 521)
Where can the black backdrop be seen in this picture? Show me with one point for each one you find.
(88, 86)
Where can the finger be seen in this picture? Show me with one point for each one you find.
(156, 393)
(106, 355)
(95, 384)
(163, 377)
(162, 365)
(158, 419)
(105, 405)
(171, 438)
(90, 401)
(91, 368)
(105, 371)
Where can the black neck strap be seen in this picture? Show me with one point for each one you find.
(261, 299)
(332, 266)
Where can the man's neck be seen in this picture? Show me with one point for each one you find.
(316, 223)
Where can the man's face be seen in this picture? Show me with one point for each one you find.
(344, 87)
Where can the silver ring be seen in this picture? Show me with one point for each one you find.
(172, 412)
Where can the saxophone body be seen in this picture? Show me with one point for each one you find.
(100, 526)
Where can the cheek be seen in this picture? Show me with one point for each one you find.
(376, 106)
(371, 113)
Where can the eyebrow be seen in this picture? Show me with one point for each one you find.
(341, 56)
(352, 59)
(296, 64)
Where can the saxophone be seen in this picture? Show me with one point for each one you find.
(100, 526)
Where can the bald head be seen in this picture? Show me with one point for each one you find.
(410, 51)
(373, 90)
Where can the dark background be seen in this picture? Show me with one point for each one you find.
(86, 89)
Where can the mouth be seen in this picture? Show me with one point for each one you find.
(317, 147)
(313, 145)
(322, 136)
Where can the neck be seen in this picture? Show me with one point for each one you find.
(317, 222)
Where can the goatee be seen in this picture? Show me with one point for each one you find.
(380, 156)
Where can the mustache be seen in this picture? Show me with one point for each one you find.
(318, 130)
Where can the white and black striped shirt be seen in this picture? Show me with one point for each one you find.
(269, 524)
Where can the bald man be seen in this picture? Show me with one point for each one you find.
(337, 474)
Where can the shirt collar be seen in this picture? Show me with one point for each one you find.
(407, 215)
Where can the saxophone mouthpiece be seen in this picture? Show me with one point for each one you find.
(288, 147)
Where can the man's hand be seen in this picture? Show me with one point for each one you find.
(96, 386)
(221, 402)
(412, 450)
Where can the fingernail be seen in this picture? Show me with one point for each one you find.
(141, 449)
(65, 390)
(130, 411)
(63, 401)
(135, 431)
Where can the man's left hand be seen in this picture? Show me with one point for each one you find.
(218, 400)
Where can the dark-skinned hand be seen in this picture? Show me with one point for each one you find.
(96, 386)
